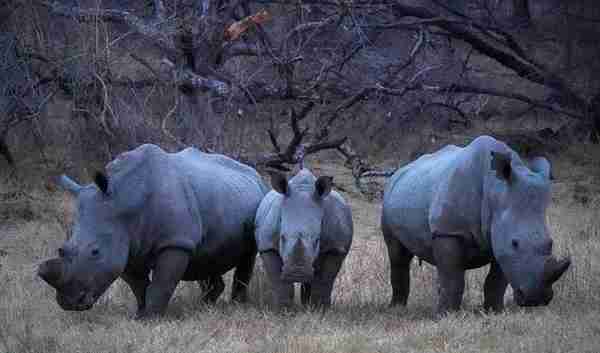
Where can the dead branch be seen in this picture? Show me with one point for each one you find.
(509, 55)
(379, 173)
(154, 28)
(296, 150)
(183, 76)
(145, 63)
(456, 88)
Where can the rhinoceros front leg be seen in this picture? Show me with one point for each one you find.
(305, 292)
(448, 254)
(170, 267)
(283, 291)
(138, 282)
(400, 258)
(494, 288)
(327, 268)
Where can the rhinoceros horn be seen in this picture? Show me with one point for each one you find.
(51, 271)
(553, 269)
(298, 251)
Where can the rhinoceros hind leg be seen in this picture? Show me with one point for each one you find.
(214, 286)
(138, 282)
(241, 278)
(305, 293)
(170, 266)
(448, 253)
(327, 269)
(283, 292)
(400, 258)
(494, 288)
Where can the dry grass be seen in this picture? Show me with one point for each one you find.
(31, 321)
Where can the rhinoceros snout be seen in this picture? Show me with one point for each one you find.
(80, 301)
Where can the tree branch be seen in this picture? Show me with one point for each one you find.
(295, 150)
(187, 78)
(456, 88)
(523, 66)
(152, 29)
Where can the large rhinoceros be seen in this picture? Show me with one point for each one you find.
(465, 207)
(182, 216)
(303, 232)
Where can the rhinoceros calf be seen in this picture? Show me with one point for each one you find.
(303, 233)
(184, 216)
(465, 207)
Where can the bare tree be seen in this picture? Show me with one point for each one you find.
(326, 64)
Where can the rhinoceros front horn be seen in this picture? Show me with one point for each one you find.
(554, 269)
(51, 272)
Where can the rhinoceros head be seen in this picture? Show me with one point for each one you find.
(94, 255)
(519, 235)
(300, 224)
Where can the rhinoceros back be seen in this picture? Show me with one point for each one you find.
(408, 196)
(443, 193)
(227, 194)
(191, 200)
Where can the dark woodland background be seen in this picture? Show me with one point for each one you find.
(371, 81)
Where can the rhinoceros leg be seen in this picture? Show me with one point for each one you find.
(241, 278)
(449, 259)
(327, 268)
(494, 288)
(305, 291)
(138, 282)
(283, 291)
(168, 271)
(214, 286)
(400, 258)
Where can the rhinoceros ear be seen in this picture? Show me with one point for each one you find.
(69, 184)
(279, 183)
(323, 186)
(541, 166)
(102, 182)
(501, 164)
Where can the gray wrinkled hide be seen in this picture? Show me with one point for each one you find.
(201, 206)
(454, 193)
(321, 227)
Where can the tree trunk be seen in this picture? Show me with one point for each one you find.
(594, 113)
(520, 13)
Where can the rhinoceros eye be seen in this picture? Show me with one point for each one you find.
(95, 252)
(61, 252)
(515, 244)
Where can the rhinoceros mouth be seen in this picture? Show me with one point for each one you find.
(80, 302)
(297, 274)
(297, 278)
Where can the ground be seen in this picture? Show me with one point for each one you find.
(32, 226)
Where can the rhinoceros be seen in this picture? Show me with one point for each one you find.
(462, 208)
(181, 216)
(303, 233)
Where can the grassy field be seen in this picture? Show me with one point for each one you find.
(32, 227)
